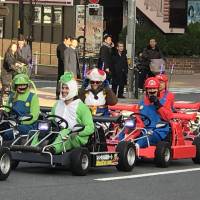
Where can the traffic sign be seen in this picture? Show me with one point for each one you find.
(94, 1)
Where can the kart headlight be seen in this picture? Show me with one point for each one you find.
(129, 123)
(43, 126)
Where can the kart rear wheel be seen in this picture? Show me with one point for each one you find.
(5, 163)
(162, 154)
(196, 142)
(127, 156)
(80, 161)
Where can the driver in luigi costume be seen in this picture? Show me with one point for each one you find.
(74, 111)
(23, 102)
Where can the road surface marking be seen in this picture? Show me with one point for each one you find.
(147, 175)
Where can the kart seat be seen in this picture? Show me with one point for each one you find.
(116, 119)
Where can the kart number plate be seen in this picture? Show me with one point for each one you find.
(106, 159)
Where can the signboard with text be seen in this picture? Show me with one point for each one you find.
(94, 28)
(61, 2)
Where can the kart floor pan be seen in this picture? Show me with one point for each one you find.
(30, 157)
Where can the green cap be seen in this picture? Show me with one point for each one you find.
(21, 79)
(66, 77)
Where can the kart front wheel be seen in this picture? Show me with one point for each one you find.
(127, 156)
(80, 161)
(14, 164)
(162, 154)
(196, 142)
(5, 163)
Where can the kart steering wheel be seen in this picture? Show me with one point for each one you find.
(11, 114)
(144, 118)
(59, 123)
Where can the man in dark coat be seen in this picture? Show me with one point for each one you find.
(119, 70)
(71, 59)
(105, 55)
(152, 51)
(60, 56)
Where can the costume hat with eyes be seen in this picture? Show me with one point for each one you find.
(96, 75)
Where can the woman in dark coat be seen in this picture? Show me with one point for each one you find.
(11, 66)
(119, 70)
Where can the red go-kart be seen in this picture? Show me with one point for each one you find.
(176, 146)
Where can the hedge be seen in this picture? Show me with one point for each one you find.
(187, 44)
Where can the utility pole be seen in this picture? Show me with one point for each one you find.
(31, 21)
(131, 44)
(21, 18)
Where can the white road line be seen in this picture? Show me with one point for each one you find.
(147, 175)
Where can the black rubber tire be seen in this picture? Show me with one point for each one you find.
(14, 164)
(196, 142)
(77, 156)
(5, 155)
(161, 159)
(123, 163)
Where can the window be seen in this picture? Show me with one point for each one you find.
(1, 27)
(37, 15)
(57, 15)
(47, 15)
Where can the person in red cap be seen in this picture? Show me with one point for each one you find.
(164, 92)
(96, 93)
(154, 107)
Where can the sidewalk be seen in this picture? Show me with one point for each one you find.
(177, 80)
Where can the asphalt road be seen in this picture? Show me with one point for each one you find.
(36, 181)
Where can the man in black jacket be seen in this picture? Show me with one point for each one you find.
(60, 56)
(119, 70)
(152, 51)
(105, 55)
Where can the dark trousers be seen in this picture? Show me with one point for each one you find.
(143, 75)
(115, 85)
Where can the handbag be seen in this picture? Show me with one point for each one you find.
(157, 65)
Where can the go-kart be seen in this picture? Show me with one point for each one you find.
(176, 146)
(78, 160)
(192, 127)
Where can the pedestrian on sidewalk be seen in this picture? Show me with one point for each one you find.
(60, 56)
(71, 59)
(12, 64)
(24, 51)
(105, 55)
(119, 70)
(150, 54)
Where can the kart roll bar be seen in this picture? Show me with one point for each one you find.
(184, 116)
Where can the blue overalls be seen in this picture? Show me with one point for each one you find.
(158, 133)
(22, 108)
(105, 112)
